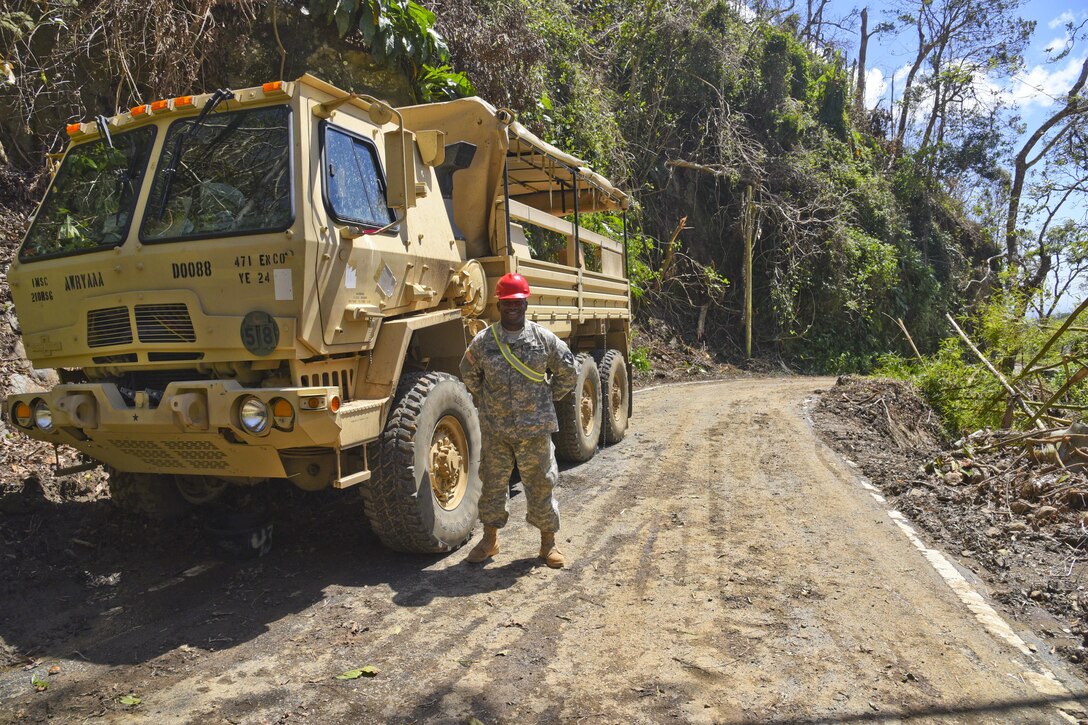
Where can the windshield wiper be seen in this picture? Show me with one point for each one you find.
(103, 124)
(223, 94)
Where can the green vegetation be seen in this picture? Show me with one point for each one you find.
(640, 359)
(968, 396)
(710, 116)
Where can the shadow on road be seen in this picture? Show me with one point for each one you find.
(80, 580)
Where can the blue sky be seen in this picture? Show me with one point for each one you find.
(1034, 93)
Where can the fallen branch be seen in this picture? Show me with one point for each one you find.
(903, 327)
(1073, 380)
(1017, 397)
(1053, 338)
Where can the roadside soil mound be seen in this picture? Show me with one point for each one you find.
(1019, 523)
(662, 353)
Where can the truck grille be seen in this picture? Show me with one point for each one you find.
(108, 326)
(164, 323)
(174, 455)
(154, 323)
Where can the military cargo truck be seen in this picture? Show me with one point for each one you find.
(280, 282)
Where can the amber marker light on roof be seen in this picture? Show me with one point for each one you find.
(272, 86)
(74, 128)
(159, 106)
(183, 101)
(137, 110)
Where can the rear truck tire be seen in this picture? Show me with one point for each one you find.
(149, 495)
(615, 395)
(426, 473)
(579, 414)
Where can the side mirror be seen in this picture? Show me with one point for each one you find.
(400, 169)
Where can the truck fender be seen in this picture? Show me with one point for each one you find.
(386, 361)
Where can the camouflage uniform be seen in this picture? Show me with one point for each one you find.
(517, 418)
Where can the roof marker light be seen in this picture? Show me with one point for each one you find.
(272, 86)
(159, 106)
(183, 101)
(138, 110)
(74, 128)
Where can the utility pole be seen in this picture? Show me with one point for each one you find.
(748, 224)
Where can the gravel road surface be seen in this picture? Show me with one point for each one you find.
(725, 567)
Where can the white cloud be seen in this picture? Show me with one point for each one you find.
(1057, 44)
(875, 87)
(1066, 17)
(742, 8)
(899, 76)
(1044, 85)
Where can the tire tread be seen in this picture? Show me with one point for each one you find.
(390, 499)
(569, 444)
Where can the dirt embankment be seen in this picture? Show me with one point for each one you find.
(1021, 526)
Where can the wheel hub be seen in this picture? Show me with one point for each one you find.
(449, 463)
(586, 407)
(616, 401)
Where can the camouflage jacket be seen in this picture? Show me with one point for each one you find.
(517, 403)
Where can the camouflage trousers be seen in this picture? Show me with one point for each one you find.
(535, 457)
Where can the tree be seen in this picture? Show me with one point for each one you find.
(1064, 124)
(958, 41)
(863, 51)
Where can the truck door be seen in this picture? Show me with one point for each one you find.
(352, 277)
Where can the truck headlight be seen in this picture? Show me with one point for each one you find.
(43, 416)
(22, 415)
(253, 415)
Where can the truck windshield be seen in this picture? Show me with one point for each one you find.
(90, 203)
(232, 176)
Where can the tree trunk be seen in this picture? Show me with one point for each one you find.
(862, 49)
(1074, 105)
(923, 51)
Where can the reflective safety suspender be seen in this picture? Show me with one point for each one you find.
(511, 358)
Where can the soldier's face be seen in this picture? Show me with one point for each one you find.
(512, 313)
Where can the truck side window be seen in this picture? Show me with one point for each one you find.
(354, 185)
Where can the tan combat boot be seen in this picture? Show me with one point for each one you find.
(487, 547)
(549, 552)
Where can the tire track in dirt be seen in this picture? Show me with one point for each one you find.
(721, 571)
(469, 647)
(597, 515)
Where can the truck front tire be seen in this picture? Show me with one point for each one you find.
(148, 495)
(426, 484)
(579, 415)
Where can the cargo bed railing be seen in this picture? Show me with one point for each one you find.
(567, 290)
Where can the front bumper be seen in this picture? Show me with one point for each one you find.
(195, 428)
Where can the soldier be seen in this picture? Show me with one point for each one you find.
(504, 369)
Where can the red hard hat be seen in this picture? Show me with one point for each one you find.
(512, 287)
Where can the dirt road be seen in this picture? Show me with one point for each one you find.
(725, 567)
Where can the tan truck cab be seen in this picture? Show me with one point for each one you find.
(280, 282)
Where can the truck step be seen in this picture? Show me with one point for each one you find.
(351, 480)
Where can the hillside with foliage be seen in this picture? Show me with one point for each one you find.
(725, 121)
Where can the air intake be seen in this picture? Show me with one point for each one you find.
(164, 323)
(108, 326)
